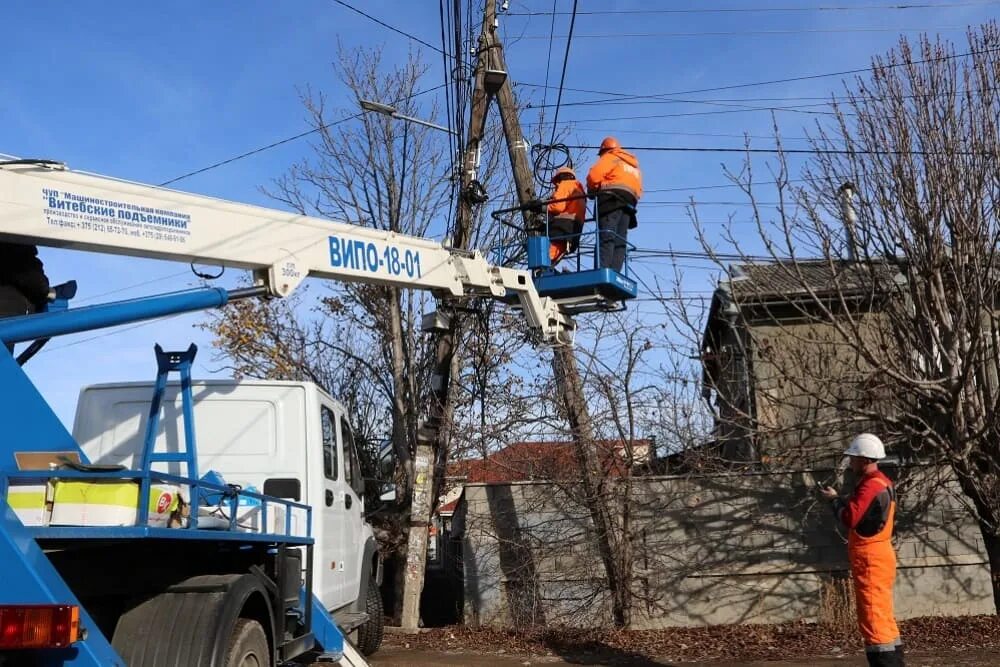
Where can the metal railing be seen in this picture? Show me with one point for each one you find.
(229, 497)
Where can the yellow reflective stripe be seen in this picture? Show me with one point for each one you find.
(123, 494)
(21, 500)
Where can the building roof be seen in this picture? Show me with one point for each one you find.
(784, 280)
(524, 461)
(761, 290)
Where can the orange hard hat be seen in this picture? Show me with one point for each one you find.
(563, 172)
(608, 144)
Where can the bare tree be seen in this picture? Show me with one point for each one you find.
(363, 343)
(907, 294)
(620, 392)
(358, 339)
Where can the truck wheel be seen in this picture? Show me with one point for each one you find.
(370, 634)
(248, 645)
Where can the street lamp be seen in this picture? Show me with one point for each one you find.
(392, 112)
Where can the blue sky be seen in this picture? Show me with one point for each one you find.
(150, 91)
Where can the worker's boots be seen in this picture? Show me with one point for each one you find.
(892, 658)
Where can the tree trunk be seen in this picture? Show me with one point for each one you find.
(992, 542)
(622, 596)
(608, 535)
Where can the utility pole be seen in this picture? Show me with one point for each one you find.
(613, 547)
(433, 435)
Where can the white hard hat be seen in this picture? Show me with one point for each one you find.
(866, 445)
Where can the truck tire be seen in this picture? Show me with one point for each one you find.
(203, 621)
(248, 645)
(370, 633)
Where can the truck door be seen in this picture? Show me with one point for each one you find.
(353, 506)
(332, 551)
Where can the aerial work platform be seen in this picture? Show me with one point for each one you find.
(578, 284)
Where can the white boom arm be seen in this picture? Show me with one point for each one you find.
(49, 205)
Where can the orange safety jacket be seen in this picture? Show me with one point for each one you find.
(566, 217)
(574, 210)
(869, 514)
(616, 171)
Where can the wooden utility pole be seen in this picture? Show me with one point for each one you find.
(613, 547)
(434, 434)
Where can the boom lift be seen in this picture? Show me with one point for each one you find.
(188, 595)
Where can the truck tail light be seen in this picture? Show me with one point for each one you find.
(38, 626)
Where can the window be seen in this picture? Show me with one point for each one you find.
(330, 463)
(352, 469)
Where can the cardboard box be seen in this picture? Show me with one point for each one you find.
(110, 503)
(28, 503)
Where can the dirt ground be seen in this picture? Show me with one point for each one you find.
(395, 656)
(969, 641)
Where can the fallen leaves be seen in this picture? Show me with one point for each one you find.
(721, 642)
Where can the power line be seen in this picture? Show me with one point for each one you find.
(114, 332)
(748, 10)
(562, 78)
(620, 98)
(676, 202)
(754, 84)
(732, 108)
(131, 287)
(275, 144)
(548, 58)
(386, 25)
(739, 101)
(721, 112)
(720, 186)
(751, 33)
(788, 151)
(280, 142)
(714, 135)
(700, 222)
(447, 78)
(452, 144)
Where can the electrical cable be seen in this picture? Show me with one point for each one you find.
(754, 84)
(754, 33)
(791, 151)
(562, 78)
(721, 112)
(386, 25)
(280, 142)
(747, 10)
(449, 111)
(548, 58)
(208, 276)
(546, 159)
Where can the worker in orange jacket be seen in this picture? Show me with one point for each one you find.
(869, 515)
(617, 182)
(567, 211)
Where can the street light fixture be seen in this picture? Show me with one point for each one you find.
(393, 112)
(378, 107)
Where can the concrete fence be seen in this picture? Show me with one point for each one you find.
(731, 548)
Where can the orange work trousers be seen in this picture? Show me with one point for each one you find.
(557, 250)
(873, 568)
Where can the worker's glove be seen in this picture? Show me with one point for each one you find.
(534, 205)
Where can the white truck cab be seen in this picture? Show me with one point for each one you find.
(271, 435)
